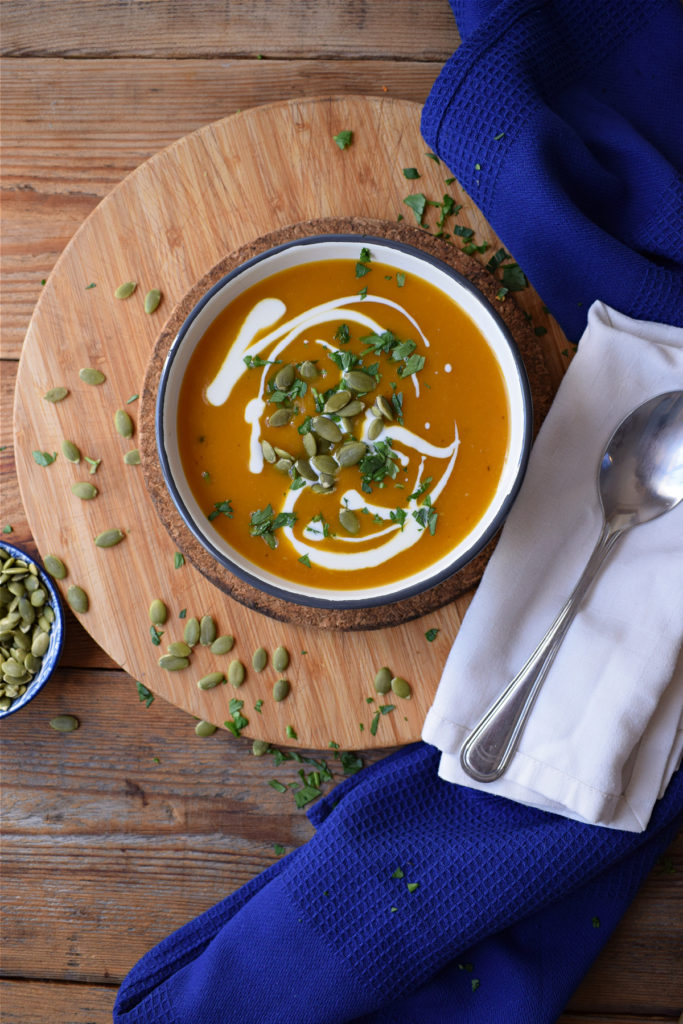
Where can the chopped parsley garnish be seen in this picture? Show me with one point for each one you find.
(342, 334)
(463, 232)
(434, 157)
(277, 786)
(132, 398)
(178, 560)
(361, 269)
(426, 517)
(238, 722)
(411, 173)
(398, 515)
(398, 873)
(419, 491)
(412, 886)
(363, 293)
(343, 139)
(514, 278)
(397, 405)
(223, 508)
(263, 524)
(44, 458)
(417, 203)
(278, 848)
(146, 696)
(501, 293)
(255, 362)
(155, 635)
(400, 279)
(182, 613)
(378, 464)
(432, 634)
(291, 732)
(365, 255)
(305, 560)
(258, 705)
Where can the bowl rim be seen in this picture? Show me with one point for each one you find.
(400, 593)
(57, 634)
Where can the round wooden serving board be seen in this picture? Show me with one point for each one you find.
(166, 226)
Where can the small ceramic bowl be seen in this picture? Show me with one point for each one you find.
(404, 258)
(51, 656)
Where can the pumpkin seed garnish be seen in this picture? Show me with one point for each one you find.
(204, 728)
(259, 659)
(349, 520)
(132, 458)
(375, 429)
(207, 631)
(64, 723)
(55, 567)
(124, 291)
(308, 370)
(123, 423)
(222, 644)
(280, 417)
(325, 428)
(359, 381)
(158, 612)
(351, 453)
(173, 663)
(260, 747)
(236, 673)
(268, 451)
(284, 378)
(281, 689)
(211, 680)
(84, 490)
(337, 401)
(382, 680)
(152, 300)
(56, 394)
(71, 451)
(78, 599)
(280, 659)
(179, 648)
(324, 464)
(401, 687)
(109, 538)
(91, 376)
(310, 444)
(191, 632)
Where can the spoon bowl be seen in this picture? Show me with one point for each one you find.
(640, 477)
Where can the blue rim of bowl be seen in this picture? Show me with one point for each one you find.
(54, 651)
(395, 596)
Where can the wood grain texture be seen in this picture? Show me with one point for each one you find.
(282, 28)
(165, 226)
(120, 832)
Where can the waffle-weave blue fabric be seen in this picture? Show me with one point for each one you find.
(416, 902)
(563, 120)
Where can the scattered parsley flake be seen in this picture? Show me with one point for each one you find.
(255, 362)
(449, 181)
(363, 293)
(156, 635)
(258, 705)
(291, 732)
(278, 848)
(182, 613)
(410, 173)
(514, 278)
(540, 331)
(501, 293)
(146, 696)
(88, 286)
(93, 463)
(398, 873)
(238, 722)
(400, 279)
(133, 398)
(417, 203)
(596, 922)
(178, 560)
(475, 984)
(8, 528)
(499, 136)
(221, 508)
(277, 786)
(305, 560)
(361, 269)
(343, 139)
(412, 886)
(434, 157)
(432, 634)
(263, 523)
(44, 458)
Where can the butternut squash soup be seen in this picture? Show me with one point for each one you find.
(343, 425)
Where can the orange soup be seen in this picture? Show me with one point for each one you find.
(343, 425)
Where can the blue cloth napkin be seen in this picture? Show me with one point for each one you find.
(563, 120)
(418, 901)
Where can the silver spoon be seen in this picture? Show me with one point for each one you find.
(640, 477)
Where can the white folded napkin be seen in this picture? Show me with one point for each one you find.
(606, 731)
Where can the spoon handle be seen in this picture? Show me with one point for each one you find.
(487, 751)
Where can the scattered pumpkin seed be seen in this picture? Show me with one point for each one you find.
(123, 423)
(40, 644)
(352, 409)
(268, 451)
(158, 612)
(280, 659)
(71, 451)
(281, 689)
(124, 291)
(326, 428)
(56, 394)
(401, 687)
(180, 649)
(383, 680)
(91, 376)
(132, 458)
(203, 728)
(359, 381)
(351, 453)
(207, 631)
(310, 444)
(55, 567)
(222, 644)
(308, 370)
(64, 723)
(349, 520)
(384, 407)
(284, 378)
(324, 464)
(211, 680)
(259, 659)
(260, 747)
(280, 418)
(152, 300)
(284, 465)
(304, 469)
(109, 538)
(78, 599)
(337, 401)
(191, 632)
(84, 490)
(375, 429)
(173, 663)
(236, 673)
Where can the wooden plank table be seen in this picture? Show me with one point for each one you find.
(115, 835)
